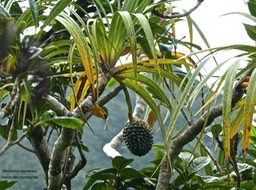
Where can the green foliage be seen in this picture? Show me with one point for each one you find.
(34, 12)
(56, 10)
(251, 7)
(118, 177)
(70, 56)
(68, 122)
(4, 184)
(4, 12)
(227, 107)
(251, 31)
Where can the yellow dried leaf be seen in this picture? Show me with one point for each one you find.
(151, 119)
(249, 111)
(98, 111)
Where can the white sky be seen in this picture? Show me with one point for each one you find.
(219, 30)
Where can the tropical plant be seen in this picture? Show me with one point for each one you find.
(57, 59)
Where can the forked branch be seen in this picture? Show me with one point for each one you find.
(173, 16)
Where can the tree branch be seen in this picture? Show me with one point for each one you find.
(57, 157)
(192, 132)
(164, 174)
(81, 162)
(110, 148)
(65, 139)
(40, 147)
(173, 16)
(55, 174)
(214, 161)
(11, 143)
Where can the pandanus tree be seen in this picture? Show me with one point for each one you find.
(53, 78)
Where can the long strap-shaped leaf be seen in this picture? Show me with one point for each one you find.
(249, 110)
(102, 42)
(130, 6)
(34, 12)
(151, 86)
(148, 32)
(182, 100)
(236, 122)
(56, 10)
(81, 44)
(129, 25)
(202, 83)
(226, 108)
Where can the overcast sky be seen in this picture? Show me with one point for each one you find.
(220, 30)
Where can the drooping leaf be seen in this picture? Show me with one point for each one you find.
(248, 161)
(118, 39)
(190, 28)
(148, 32)
(201, 34)
(129, 25)
(82, 46)
(112, 82)
(246, 48)
(246, 15)
(249, 110)
(4, 132)
(182, 100)
(202, 82)
(4, 184)
(102, 9)
(56, 10)
(130, 6)
(141, 8)
(151, 86)
(98, 111)
(253, 135)
(226, 107)
(80, 90)
(9, 5)
(103, 43)
(150, 67)
(236, 122)
(84, 147)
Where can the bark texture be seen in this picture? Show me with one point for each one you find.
(191, 133)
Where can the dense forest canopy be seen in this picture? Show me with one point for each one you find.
(86, 119)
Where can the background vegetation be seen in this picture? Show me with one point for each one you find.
(65, 95)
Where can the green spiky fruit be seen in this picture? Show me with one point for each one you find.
(138, 137)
